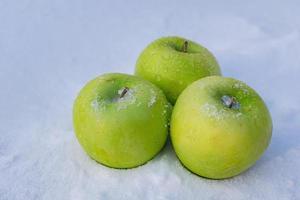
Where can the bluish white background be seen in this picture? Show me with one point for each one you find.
(50, 48)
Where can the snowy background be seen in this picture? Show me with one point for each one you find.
(50, 48)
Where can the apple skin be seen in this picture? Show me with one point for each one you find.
(213, 140)
(121, 132)
(165, 64)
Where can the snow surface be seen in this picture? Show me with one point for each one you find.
(49, 49)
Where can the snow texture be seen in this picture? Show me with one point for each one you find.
(152, 98)
(128, 99)
(49, 49)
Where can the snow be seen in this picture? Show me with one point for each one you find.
(49, 49)
(128, 99)
(98, 104)
(152, 98)
(213, 112)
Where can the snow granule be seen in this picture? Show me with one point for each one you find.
(128, 99)
(212, 111)
(241, 87)
(98, 104)
(152, 98)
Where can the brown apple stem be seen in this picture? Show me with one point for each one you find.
(233, 101)
(125, 90)
(185, 46)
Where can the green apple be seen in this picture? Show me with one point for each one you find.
(220, 127)
(121, 120)
(172, 63)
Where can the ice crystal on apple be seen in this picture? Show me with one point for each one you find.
(152, 98)
(213, 112)
(128, 98)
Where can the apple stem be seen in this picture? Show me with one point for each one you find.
(125, 90)
(185, 46)
(230, 102)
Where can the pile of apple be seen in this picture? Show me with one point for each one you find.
(218, 126)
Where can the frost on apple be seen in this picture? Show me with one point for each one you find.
(95, 104)
(128, 99)
(98, 105)
(122, 102)
(167, 107)
(241, 87)
(152, 101)
(238, 114)
(152, 98)
(213, 112)
(219, 114)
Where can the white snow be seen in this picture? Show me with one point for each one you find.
(49, 49)
(152, 98)
(213, 112)
(98, 104)
(128, 99)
